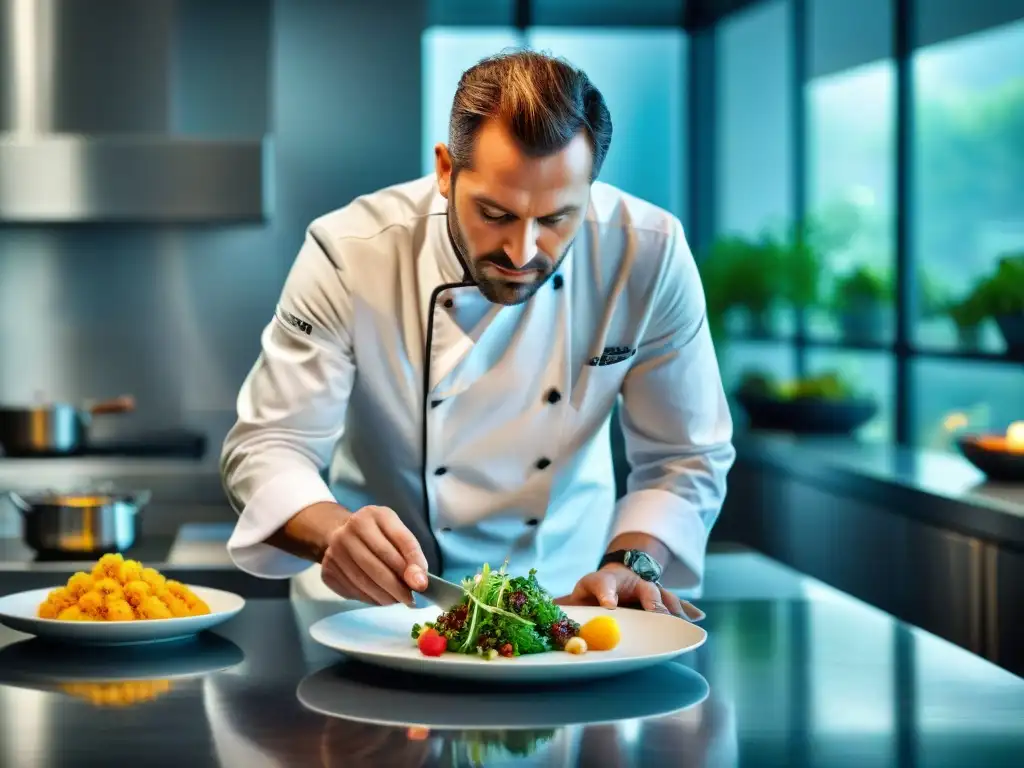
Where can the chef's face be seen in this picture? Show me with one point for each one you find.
(513, 217)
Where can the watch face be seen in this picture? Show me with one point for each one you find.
(643, 565)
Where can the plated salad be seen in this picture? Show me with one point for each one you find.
(500, 615)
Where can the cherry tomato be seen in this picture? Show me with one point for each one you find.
(432, 643)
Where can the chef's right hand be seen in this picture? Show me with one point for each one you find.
(375, 559)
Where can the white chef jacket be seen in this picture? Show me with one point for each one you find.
(485, 427)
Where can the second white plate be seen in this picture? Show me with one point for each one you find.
(382, 636)
(19, 611)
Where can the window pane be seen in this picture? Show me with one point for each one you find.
(754, 120)
(844, 34)
(753, 165)
(968, 176)
(869, 373)
(447, 53)
(851, 122)
(641, 74)
(989, 396)
(739, 357)
(607, 13)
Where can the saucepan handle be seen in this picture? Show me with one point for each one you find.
(141, 498)
(19, 501)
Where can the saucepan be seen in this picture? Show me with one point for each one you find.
(88, 524)
(56, 428)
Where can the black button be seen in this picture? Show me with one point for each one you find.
(440, 471)
(543, 463)
(435, 403)
(448, 303)
(553, 396)
(532, 522)
(446, 530)
(557, 282)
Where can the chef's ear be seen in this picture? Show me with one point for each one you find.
(443, 168)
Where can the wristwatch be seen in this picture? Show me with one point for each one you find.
(638, 561)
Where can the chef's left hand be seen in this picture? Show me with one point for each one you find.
(616, 585)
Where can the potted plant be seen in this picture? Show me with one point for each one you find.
(999, 296)
(825, 403)
(742, 274)
(1003, 293)
(968, 315)
(799, 262)
(861, 299)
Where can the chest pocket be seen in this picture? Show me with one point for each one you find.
(593, 397)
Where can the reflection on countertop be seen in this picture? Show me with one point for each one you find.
(813, 678)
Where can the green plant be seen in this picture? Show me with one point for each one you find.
(757, 274)
(757, 383)
(969, 312)
(739, 272)
(860, 286)
(996, 294)
(799, 261)
(827, 385)
(1003, 292)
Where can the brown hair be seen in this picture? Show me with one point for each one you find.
(543, 100)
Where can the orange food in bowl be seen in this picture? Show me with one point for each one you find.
(120, 590)
(601, 633)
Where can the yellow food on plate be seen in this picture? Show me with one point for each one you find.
(121, 590)
(122, 694)
(601, 633)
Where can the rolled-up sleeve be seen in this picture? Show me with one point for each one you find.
(291, 410)
(676, 422)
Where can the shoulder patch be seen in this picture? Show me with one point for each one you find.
(295, 322)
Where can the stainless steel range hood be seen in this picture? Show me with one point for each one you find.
(87, 121)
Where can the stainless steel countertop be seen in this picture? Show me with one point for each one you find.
(807, 677)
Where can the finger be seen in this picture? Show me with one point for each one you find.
(415, 571)
(692, 612)
(371, 535)
(602, 586)
(377, 571)
(673, 603)
(337, 583)
(650, 597)
(354, 574)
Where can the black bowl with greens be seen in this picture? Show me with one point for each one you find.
(817, 405)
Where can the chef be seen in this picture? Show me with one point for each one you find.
(448, 352)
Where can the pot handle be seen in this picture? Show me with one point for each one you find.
(122, 404)
(19, 501)
(141, 498)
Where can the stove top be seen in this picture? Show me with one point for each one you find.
(173, 443)
(152, 549)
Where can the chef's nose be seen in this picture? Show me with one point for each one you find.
(523, 246)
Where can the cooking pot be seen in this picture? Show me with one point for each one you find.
(89, 524)
(57, 428)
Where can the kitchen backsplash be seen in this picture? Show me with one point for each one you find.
(173, 315)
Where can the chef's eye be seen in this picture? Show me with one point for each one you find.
(551, 221)
(493, 214)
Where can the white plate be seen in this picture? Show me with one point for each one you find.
(19, 613)
(351, 691)
(382, 636)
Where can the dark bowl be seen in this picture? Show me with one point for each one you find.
(808, 416)
(1002, 466)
